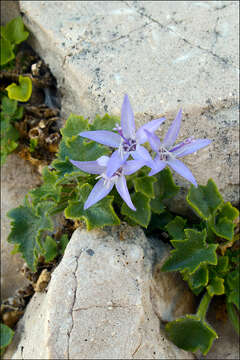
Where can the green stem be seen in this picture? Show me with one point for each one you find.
(203, 306)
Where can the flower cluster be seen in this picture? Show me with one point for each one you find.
(128, 142)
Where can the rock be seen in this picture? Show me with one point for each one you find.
(17, 178)
(100, 302)
(165, 55)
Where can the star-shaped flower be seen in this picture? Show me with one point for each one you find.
(103, 187)
(167, 154)
(127, 141)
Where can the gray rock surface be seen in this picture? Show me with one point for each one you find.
(17, 178)
(165, 55)
(100, 302)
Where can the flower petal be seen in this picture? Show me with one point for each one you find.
(157, 166)
(122, 189)
(182, 170)
(141, 154)
(192, 147)
(173, 131)
(132, 166)
(98, 192)
(104, 137)
(91, 167)
(127, 119)
(153, 140)
(115, 162)
(103, 160)
(151, 126)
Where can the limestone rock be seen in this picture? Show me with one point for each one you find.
(165, 55)
(100, 302)
(17, 178)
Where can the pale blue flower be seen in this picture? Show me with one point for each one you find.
(167, 154)
(127, 141)
(105, 183)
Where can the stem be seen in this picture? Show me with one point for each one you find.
(203, 306)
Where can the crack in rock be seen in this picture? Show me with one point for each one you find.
(220, 59)
(74, 300)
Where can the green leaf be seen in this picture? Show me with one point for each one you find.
(50, 249)
(159, 222)
(64, 240)
(144, 185)
(27, 225)
(104, 123)
(21, 92)
(33, 144)
(176, 228)
(9, 107)
(223, 225)
(7, 53)
(157, 206)
(216, 286)
(165, 187)
(98, 215)
(189, 254)
(142, 215)
(6, 336)
(14, 31)
(199, 279)
(222, 265)
(48, 190)
(205, 200)
(191, 334)
(74, 125)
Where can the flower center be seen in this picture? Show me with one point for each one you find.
(126, 144)
(109, 180)
(164, 154)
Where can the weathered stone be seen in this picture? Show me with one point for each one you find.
(17, 178)
(99, 304)
(165, 55)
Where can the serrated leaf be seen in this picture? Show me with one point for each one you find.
(216, 286)
(48, 190)
(98, 215)
(6, 335)
(199, 279)
(144, 185)
(14, 31)
(74, 125)
(165, 187)
(159, 222)
(6, 53)
(26, 227)
(142, 215)
(176, 228)
(189, 254)
(50, 249)
(223, 225)
(157, 206)
(9, 107)
(205, 200)
(104, 123)
(222, 265)
(21, 92)
(191, 334)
